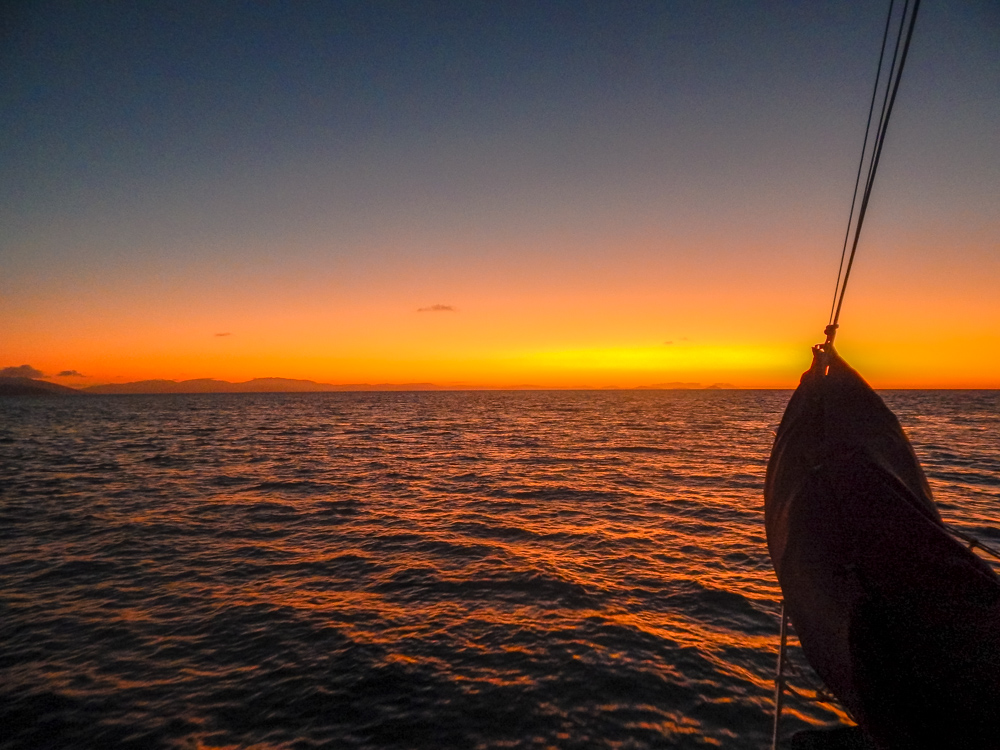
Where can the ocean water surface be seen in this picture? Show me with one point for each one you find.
(412, 570)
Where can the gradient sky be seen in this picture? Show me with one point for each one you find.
(560, 194)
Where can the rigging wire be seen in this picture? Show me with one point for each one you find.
(843, 275)
(907, 21)
(861, 163)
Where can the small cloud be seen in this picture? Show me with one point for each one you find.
(437, 308)
(70, 374)
(667, 343)
(227, 333)
(23, 371)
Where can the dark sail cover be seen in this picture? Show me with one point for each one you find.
(898, 618)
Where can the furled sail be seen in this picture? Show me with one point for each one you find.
(898, 618)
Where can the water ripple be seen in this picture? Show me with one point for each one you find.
(411, 570)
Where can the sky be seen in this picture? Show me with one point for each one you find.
(493, 194)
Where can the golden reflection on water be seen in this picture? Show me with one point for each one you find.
(509, 569)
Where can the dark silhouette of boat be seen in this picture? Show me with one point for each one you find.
(898, 617)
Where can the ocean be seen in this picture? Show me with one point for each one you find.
(413, 570)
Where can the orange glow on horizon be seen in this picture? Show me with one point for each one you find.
(656, 317)
(958, 363)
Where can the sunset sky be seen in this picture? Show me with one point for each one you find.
(572, 194)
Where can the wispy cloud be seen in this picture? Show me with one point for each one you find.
(70, 374)
(667, 343)
(227, 333)
(437, 308)
(22, 371)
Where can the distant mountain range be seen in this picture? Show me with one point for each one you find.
(30, 387)
(257, 385)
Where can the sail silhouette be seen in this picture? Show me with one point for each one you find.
(899, 619)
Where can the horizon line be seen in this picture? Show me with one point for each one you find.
(416, 387)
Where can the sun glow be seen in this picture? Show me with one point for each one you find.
(663, 359)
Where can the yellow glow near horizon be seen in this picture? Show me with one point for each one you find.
(667, 358)
(547, 329)
(744, 365)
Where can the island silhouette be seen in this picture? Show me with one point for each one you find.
(24, 386)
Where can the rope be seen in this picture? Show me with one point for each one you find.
(888, 101)
(973, 542)
(779, 678)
